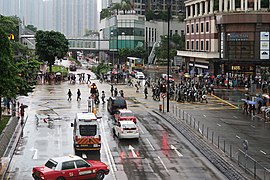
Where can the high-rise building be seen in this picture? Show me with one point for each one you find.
(71, 17)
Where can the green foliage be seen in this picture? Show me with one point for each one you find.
(49, 45)
(162, 50)
(3, 123)
(100, 69)
(7, 68)
(105, 13)
(61, 69)
(124, 53)
(32, 28)
(10, 25)
(159, 15)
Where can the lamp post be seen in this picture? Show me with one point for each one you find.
(168, 56)
(112, 34)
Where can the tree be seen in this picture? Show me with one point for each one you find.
(117, 7)
(9, 79)
(105, 13)
(10, 25)
(49, 45)
(124, 53)
(162, 50)
(32, 28)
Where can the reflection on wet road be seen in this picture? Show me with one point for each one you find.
(158, 154)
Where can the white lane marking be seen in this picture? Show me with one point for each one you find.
(35, 153)
(132, 151)
(219, 125)
(235, 117)
(163, 164)
(149, 165)
(204, 115)
(252, 126)
(150, 144)
(263, 152)
(140, 128)
(107, 151)
(238, 137)
(177, 152)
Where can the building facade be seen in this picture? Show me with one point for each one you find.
(227, 37)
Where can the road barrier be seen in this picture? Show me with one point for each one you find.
(233, 151)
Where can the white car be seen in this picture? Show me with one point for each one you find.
(126, 130)
(139, 75)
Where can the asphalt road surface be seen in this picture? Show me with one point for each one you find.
(160, 153)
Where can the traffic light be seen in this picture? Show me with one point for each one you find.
(163, 88)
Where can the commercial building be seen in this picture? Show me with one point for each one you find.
(227, 36)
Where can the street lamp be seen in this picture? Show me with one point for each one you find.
(112, 33)
(168, 53)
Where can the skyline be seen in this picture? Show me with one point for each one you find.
(69, 17)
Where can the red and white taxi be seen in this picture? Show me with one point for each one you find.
(124, 115)
(70, 167)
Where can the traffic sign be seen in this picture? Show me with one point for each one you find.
(163, 95)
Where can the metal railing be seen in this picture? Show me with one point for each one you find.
(233, 151)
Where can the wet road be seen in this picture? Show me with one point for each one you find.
(159, 154)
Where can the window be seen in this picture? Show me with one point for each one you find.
(202, 45)
(176, 32)
(51, 164)
(192, 45)
(202, 28)
(197, 45)
(207, 27)
(187, 29)
(192, 28)
(88, 130)
(187, 45)
(68, 165)
(197, 27)
(81, 164)
(207, 45)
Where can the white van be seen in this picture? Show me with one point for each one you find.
(86, 132)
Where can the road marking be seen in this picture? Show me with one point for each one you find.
(230, 104)
(219, 125)
(252, 126)
(149, 165)
(140, 128)
(108, 152)
(204, 115)
(263, 152)
(238, 137)
(132, 151)
(150, 144)
(177, 152)
(163, 164)
(235, 117)
(35, 154)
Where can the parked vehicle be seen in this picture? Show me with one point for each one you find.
(70, 167)
(139, 75)
(115, 103)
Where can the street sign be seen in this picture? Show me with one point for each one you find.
(163, 95)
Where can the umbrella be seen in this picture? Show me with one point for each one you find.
(244, 100)
(266, 96)
(58, 73)
(259, 99)
(187, 75)
(251, 102)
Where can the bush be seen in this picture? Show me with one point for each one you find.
(61, 69)
(100, 69)
(3, 123)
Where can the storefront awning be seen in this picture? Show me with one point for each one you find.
(199, 66)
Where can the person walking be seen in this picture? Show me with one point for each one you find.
(88, 78)
(69, 95)
(103, 97)
(78, 95)
(115, 92)
(145, 92)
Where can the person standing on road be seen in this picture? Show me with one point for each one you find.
(103, 97)
(88, 78)
(69, 95)
(112, 90)
(78, 95)
(115, 92)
